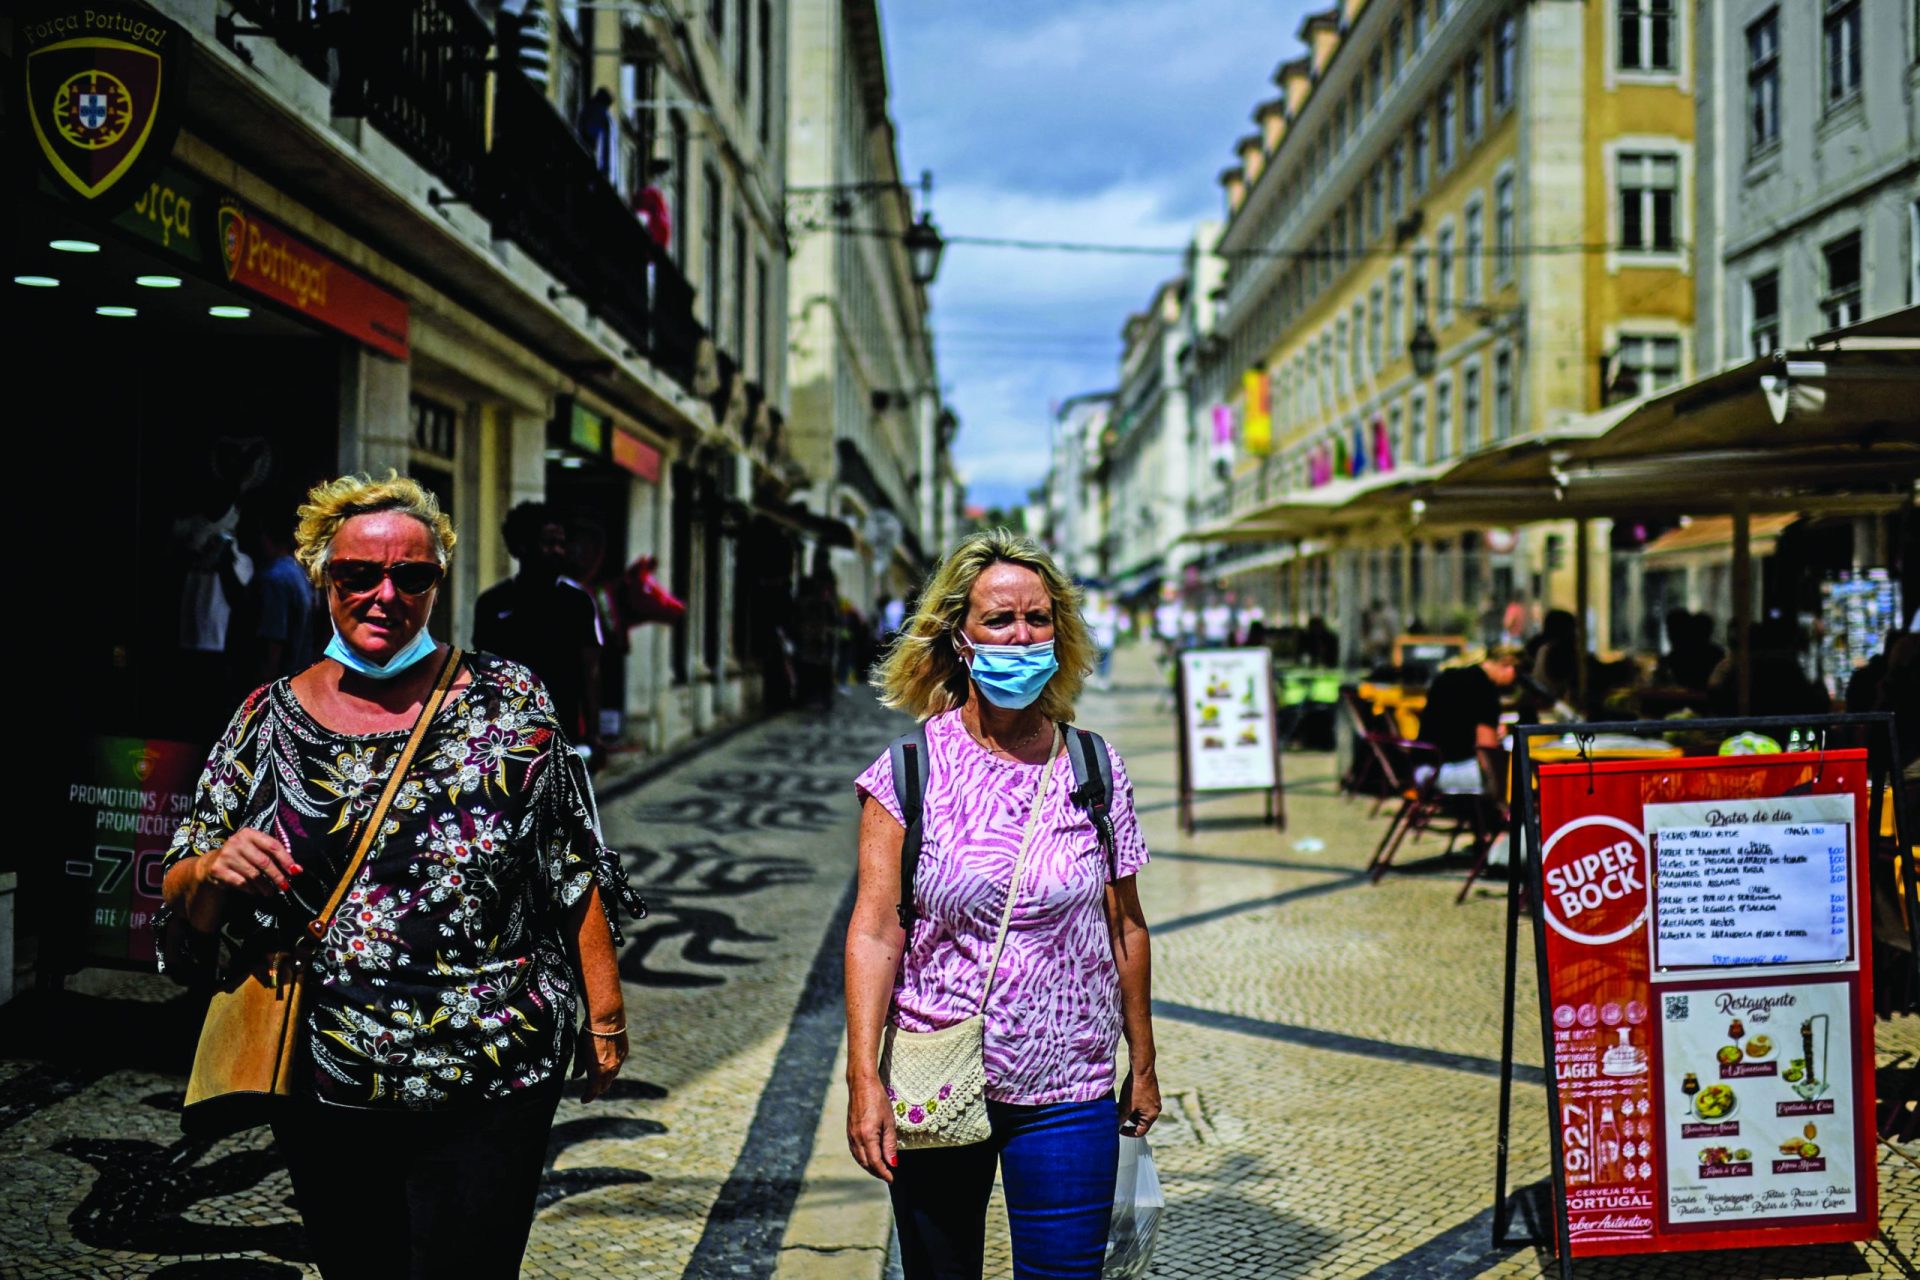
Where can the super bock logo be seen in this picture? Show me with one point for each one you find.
(100, 83)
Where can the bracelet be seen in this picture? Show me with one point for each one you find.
(615, 1034)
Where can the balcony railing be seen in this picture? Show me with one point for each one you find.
(419, 71)
(543, 190)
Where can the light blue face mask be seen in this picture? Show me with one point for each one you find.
(1011, 676)
(410, 654)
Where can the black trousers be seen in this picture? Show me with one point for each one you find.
(398, 1195)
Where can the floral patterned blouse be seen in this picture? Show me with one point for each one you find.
(444, 978)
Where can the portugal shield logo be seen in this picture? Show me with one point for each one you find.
(97, 105)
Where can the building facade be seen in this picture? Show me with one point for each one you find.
(521, 251)
(1809, 170)
(1076, 501)
(1509, 182)
(868, 427)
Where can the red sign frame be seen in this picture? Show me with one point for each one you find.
(275, 264)
(1602, 980)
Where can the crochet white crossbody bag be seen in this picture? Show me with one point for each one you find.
(936, 1080)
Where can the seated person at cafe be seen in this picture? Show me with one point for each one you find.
(1463, 715)
(1691, 653)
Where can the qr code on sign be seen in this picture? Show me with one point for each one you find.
(1676, 1008)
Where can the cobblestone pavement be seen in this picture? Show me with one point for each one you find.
(1329, 1052)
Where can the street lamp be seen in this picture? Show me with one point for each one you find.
(924, 247)
(1423, 346)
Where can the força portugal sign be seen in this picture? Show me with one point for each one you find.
(1708, 1001)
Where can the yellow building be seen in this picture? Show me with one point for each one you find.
(1501, 188)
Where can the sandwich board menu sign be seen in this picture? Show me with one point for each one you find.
(1708, 1000)
(1229, 738)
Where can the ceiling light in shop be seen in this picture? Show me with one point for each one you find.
(230, 313)
(157, 282)
(573, 463)
(37, 282)
(74, 246)
(115, 311)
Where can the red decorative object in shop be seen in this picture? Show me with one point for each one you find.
(642, 598)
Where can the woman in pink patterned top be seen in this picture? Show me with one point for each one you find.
(992, 661)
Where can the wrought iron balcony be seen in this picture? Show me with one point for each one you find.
(419, 71)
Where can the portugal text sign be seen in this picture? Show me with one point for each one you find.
(1708, 1000)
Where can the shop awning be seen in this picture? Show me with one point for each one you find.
(791, 515)
(1714, 535)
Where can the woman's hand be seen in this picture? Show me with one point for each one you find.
(609, 1053)
(870, 1132)
(1139, 1102)
(250, 861)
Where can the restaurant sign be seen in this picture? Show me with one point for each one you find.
(1707, 1000)
(100, 87)
(271, 262)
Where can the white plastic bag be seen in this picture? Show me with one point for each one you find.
(1137, 1208)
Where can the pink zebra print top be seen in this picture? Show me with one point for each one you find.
(1054, 1020)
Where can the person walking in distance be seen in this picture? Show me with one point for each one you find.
(544, 619)
(1013, 853)
(438, 1022)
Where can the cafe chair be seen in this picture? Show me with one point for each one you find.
(1380, 765)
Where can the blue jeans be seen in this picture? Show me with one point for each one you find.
(1057, 1163)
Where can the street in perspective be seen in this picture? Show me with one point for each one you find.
(931, 640)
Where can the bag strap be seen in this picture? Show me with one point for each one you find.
(1020, 866)
(908, 755)
(1093, 788)
(428, 709)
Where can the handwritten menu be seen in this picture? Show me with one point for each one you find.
(1758, 1108)
(1751, 893)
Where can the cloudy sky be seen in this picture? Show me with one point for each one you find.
(1079, 120)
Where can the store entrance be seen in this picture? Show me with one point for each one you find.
(593, 500)
(176, 423)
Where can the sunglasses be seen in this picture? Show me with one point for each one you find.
(409, 577)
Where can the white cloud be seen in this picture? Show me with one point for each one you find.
(1093, 121)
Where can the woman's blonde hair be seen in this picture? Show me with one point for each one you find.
(331, 504)
(923, 674)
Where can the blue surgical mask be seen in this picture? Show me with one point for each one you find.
(410, 654)
(1011, 676)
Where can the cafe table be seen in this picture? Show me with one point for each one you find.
(1601, 746)
(1405, 703)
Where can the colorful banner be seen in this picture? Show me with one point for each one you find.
(124, 807)
(637, 456)
(260, 256)
(1256, 418)
(1710, 1000)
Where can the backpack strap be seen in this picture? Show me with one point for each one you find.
(1093, 788)
(908, 756)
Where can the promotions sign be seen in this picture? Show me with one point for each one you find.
(1708, 994)
(274, 264)
(100, 90)
(126, 802)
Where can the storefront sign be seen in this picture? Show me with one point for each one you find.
(126, 803)
(172, 214)
(586, 430)
(1228, 710)
(637, 456)
(1710, 1000)
(262, 257)
(101, 89)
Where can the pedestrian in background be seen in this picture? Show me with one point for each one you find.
(439, 1021)
(283, 599)
(543, 619)
(992, 661)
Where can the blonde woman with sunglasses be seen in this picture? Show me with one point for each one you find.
(439, 1022)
